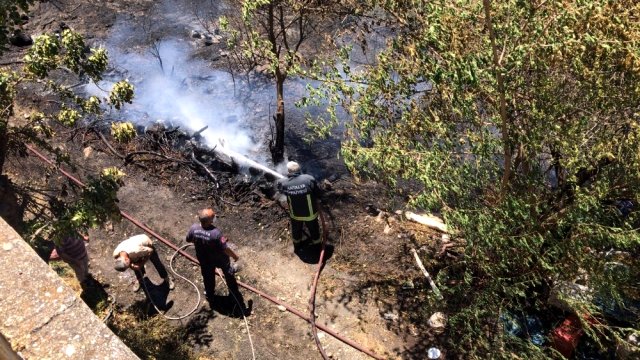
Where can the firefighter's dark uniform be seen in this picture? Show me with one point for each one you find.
(210, 251)
(302, 193)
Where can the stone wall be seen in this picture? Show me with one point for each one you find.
(40, 316)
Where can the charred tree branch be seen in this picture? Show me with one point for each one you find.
(197, 133)
(129, 156)
(108, 144)
(213, 177)
(435, 289)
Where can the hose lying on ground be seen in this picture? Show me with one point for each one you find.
(312, 297)
(246, 323)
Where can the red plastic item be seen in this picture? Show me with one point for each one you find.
(566, 336)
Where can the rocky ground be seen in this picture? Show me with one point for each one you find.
(370, 290)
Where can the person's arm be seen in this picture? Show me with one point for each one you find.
(190, 238)
(231, 253)
(145, 241)
(142, 254)
(317, 191)
(137, 265)
(280, 197)
(237, 264)
(221, 244)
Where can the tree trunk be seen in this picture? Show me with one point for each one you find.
(4, 142)
(6, 111)
(508, 154)
(277, 149)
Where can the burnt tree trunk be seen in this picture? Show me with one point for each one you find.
(277, 148)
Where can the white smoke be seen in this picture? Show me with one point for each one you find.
(189, 92)
(183, 92)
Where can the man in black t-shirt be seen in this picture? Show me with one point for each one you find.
(212, 252)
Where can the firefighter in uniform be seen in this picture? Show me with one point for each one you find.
(301, 191)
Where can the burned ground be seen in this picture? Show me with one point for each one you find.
(370, 290)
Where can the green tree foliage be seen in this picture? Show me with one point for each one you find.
(7, 94)
(52, 57)
(48, 54)
(11, 12)
(519, 121)
(274, 34)
(97, 204)
(123, 131)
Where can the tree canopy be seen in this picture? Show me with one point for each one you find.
(11, 17)
(518, 121)
(274, 34)
(49, 54)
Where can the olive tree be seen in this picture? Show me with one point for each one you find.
(52, 53)
(279, 35)
(519, 122)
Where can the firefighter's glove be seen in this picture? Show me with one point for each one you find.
(236, 267)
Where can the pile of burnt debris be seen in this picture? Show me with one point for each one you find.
(166, 149)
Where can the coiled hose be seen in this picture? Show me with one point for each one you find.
(183, 278)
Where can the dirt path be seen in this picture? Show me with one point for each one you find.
(271, 267)
(349, 299)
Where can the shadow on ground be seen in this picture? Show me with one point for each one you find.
(199, 335)
(310, 254)
(226, 305)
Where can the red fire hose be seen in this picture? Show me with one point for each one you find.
(290, 309)
(312, 297)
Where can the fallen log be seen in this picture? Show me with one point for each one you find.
(237, 161)
(114, 151)
(429, 220)
(211, 152)
(129, 156)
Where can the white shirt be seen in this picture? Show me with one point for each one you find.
(137, 247)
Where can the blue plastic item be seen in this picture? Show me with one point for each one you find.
(511, 323)
(535, 330)
(527, 327)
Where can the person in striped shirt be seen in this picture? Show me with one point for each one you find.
(71, 249)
